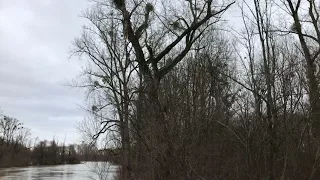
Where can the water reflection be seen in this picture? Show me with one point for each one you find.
(88, 170)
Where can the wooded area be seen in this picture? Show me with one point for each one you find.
(187, 97)
(17, 148)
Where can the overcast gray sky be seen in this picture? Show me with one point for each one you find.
(35, 38)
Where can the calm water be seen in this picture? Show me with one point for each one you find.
(88, 170)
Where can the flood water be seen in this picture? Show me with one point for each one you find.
(83, 171)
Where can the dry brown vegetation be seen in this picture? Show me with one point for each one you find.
(185, 100)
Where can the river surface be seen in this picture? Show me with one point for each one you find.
(83, 171)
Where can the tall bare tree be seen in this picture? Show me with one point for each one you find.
(306, 26)
(110, 80)
(179, 33)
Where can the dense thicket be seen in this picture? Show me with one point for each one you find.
(185, 100)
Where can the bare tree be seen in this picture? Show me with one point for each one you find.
(9, 128)
(269, 63)
(306, 27)
(162, 85)
(179, 33)
(110, 80)
(161, 32)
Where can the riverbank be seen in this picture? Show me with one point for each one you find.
(14, 154)
(19, 164)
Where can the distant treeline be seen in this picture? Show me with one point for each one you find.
(16, 148)
(45, 153)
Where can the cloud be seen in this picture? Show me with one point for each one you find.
(35, 39)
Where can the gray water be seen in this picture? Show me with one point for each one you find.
(83, 171)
